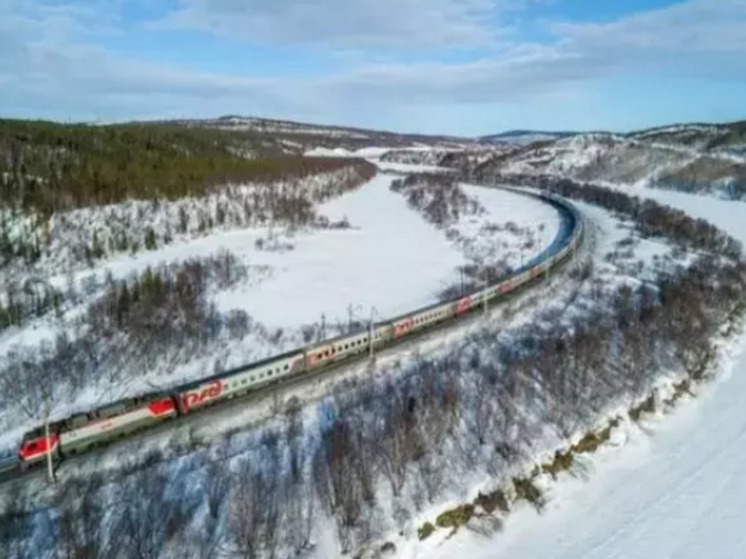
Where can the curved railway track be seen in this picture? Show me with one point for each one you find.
(415, 325)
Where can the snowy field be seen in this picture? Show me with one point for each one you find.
(389, 261)
(672, 488)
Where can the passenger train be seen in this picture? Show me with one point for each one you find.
(80, 433)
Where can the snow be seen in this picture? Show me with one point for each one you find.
(380, 262)
(672, 488)
(410, 167)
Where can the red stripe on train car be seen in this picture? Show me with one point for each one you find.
(463, 305)
(161, 407)
(36, 447)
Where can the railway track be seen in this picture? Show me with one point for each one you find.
(9, 470)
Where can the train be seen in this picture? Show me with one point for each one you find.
(82, 432)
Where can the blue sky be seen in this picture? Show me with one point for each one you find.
(433, 66)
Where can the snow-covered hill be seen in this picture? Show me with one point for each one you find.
(526, 136)
(299, 136)
(645, 160)
(672, 488)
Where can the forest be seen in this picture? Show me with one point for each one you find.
(49, 167)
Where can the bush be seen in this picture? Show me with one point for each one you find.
(425, 531)
(454, 518)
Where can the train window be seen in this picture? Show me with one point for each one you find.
(287, 366)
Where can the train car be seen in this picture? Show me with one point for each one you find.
(343, 347)
(402, 326)
(463, 305)
(105, 429)
(35, 445)
(236, 382)
(83, 431)
(432, 315)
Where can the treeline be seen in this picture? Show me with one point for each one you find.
(158, 319)
(651, 218)
(83, 236)
(34, 298)
(47, 167)
(169, 303)
(437, 196)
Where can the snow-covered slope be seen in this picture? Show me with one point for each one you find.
(526, 136)
(673, 488)
(720, 138)
(644, 161)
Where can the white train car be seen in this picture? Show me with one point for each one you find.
(237, 382)
(82, 438)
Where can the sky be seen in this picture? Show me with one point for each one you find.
(463, 67)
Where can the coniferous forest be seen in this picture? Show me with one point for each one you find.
(49, 167)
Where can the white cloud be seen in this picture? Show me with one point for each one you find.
(345, 23)
(698, 26)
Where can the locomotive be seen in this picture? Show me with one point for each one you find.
(80, 433)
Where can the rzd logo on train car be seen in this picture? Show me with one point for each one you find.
(403, 327)
(463, 305)
(199, 397)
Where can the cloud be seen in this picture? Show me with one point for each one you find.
(345, 23)
(695, 27)
(700, 38)
(518, 72)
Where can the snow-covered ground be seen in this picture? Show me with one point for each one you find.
(675, 487)
(391, 258)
